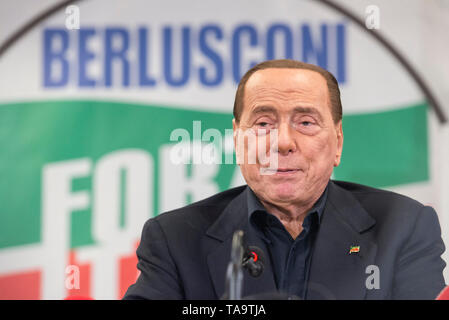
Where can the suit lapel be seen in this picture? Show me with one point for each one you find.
(235, 217)
(334, 272)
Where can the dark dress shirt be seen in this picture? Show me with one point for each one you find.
(290, 257)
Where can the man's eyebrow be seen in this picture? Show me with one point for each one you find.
(263, 109)
(308, 110)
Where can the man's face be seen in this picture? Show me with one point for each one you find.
(309, 144)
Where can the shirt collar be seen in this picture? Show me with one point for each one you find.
(255, 205)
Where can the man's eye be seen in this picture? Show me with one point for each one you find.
(307, 127)
(263, 127)
(264, 124)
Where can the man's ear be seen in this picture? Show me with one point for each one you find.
(235, 127)
(237, 148)
(339, 133)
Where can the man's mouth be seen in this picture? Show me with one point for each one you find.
(284, 171)
(279, 171)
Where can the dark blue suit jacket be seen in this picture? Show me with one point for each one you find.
(184, 253)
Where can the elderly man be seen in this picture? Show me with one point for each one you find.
(321, 239)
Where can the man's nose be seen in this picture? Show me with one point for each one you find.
(286, 141)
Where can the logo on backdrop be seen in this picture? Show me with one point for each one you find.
(112, 165)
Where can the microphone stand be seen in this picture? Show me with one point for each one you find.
(234, 274)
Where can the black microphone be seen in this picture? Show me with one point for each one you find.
(242, 256)
(253, 260)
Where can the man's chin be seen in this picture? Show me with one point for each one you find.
(284, 193)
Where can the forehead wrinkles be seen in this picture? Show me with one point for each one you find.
(261, 94)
